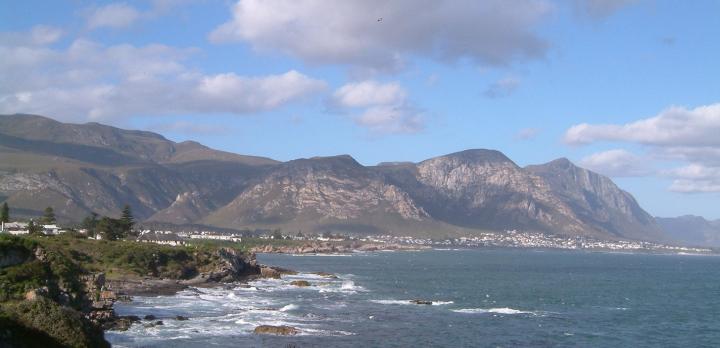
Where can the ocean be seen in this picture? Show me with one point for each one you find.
(481, 298)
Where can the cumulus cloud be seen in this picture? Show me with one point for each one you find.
(695, 178)
(380, 107)
(675, 126)
(616, 163)
(381, 34)
(87, 80)
(675, 134)
(113, 15)
(368, 93)
(502, 88)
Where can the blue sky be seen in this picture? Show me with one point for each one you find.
(628, 88)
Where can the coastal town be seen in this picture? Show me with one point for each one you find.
(506, 239)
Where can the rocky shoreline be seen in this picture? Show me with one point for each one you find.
(234, 268)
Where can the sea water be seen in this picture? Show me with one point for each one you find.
(496, 298)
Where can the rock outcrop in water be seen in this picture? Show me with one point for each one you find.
(282, 330)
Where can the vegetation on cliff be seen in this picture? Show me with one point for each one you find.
(45, 294)
(45, 323)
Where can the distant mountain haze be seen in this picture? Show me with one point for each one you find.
(692, 230)
(83, 168)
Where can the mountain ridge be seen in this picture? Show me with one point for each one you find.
(78, 168)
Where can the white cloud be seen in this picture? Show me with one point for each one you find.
(230, 92)
(113, 15)
(695, 178)
(675, 134)
(384, 106)
(87, 80)
(382, 35)
(502, 88)
(616, 163)
(391, 119)
(367, 93)
(676, 126)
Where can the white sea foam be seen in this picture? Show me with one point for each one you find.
(503, 310)
(290, 307)
(392, 302)
(409, 302)
(441, 303)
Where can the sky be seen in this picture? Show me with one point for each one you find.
(626, 88)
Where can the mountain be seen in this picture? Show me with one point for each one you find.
(597, 201)
(79, 168)
(484, 189)
(692, 230)
(335, 193)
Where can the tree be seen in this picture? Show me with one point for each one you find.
(34, 228)
(127, 219)
(110, 229)
(90, 224)
(49, 216)
(5, 213)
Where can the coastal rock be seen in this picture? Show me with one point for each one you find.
(269, 272)
(326, 275)
(421, 302)
(121, 323)
(149, 317)
(181, 318)
(233, 266)
(300, 283)
(283, 330)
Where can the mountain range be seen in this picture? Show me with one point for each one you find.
(692, 230)
(82, 168)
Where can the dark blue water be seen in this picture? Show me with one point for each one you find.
(495, 298)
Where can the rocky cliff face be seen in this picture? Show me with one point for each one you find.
(597, 201)
(484, 189)
(321, 189)
(77, 169)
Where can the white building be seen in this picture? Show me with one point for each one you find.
(161, 238)
(204, 235)
(15, 228)
(52, 229)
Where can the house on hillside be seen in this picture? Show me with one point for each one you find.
(15, 228)
(212, 236)
(52, 229)
(167, 238)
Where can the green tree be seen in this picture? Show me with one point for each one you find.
(48, 217)
(5, 213)
(108, 228)
(127, 220)
(90, 224)
(34, 228)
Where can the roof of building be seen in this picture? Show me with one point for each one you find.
(162, 237)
